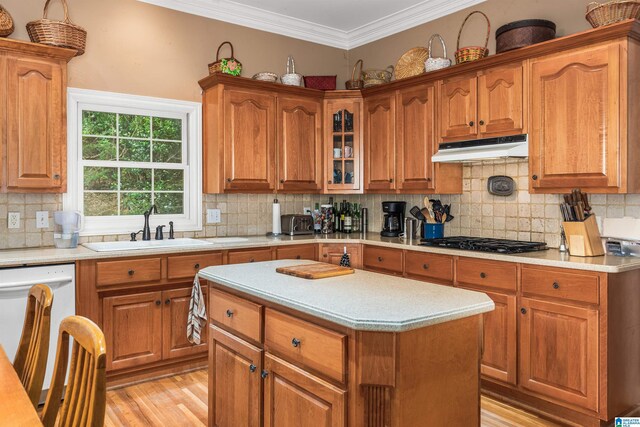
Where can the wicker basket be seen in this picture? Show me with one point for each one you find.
(355, 84)
(229, 65)
(611, 12)
(291, 78)
(437, 63)
(472, 53)
(265, 76)
(411, 63)
(58, 33)
(377, 77)
(6, 23)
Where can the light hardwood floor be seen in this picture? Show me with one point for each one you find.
(181, 400)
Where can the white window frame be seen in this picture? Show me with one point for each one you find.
(84, 99)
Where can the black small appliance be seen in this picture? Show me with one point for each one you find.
(393, 222)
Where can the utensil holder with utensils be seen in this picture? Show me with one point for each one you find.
(583, 237)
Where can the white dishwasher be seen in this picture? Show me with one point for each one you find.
(14, 288)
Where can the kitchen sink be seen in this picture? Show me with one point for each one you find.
(149, 244)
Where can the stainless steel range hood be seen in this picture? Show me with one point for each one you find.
(515, 146)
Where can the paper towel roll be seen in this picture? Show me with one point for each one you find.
(276, 227)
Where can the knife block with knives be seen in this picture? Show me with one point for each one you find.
(580, 226)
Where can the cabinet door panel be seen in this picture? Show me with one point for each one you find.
(249, 141)
(416, 138)
(559, 352)
(133, 329)
(458, 107)
(235, 386)
(500, 101)
(299, 144)
(36, 126)
(295, 398)
(575, 135)
(379, 139)
(174, 325)
(499, 359)
(332, 254)
(343, 130)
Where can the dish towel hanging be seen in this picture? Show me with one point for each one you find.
(197, 313)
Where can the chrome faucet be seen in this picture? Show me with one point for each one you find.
(146, 231)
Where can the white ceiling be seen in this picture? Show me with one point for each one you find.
(344, 24)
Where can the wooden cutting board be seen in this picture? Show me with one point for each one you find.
(315, 271)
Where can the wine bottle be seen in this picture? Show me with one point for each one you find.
(348, 219)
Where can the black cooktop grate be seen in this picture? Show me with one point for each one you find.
(483, 244)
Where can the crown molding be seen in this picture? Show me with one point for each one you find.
(260, 19)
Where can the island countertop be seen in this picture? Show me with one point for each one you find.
(362, 301)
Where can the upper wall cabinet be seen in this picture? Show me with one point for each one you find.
(484, 104)
(379, 143)
(580, 125)
(33, 81)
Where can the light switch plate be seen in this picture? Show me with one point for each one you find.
(13, 220)
(213, 216)
(42, 219)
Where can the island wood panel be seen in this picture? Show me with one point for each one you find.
(295, 398)
(175, 314)
(236, 314)
(458, 108)
(379, 143)
(575, 102)
(299, 144)
(249, 141)
(501, 102)
(235, 384)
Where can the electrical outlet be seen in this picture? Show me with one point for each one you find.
(42, 219)
(306, 211)
(14, 220)
(213, 216)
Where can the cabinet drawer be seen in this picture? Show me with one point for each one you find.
(312, 346)
(297, 252)
(492, 274)
(236, 314)
(429, 266)
(186, 266)
(568, 285)
(382, 259)
(127, 271)
(257, 255)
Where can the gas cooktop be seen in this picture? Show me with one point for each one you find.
(483, 244)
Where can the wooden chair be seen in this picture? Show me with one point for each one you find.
(86, 395)
(30, 362)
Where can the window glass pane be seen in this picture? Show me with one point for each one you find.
(135, 150)
(99, 204)
(99, 178)
(135, 126)
(134, 203)
(167, 152)
(98, 148)
(169, 180)
(167, 129)
(170, 203)
(97, 123)
(135, 179)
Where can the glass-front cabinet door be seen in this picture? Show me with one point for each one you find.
(343, 148)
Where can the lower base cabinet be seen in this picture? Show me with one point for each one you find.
(174, 319)
(235, 381)
(295, 398)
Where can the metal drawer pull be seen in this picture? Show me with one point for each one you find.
(483, 275)
(158, 302)
(131, 272)
(264, 374)
(425, 266)
(252, 368)
(523, 310)
(379, 259)
(197, 266)
(295, 342)
(167, 301)
(556, 285)
(229, 313)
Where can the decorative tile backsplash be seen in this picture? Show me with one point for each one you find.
(521, 216)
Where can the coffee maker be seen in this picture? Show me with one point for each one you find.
(393, 222)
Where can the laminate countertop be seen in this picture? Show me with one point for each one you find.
(362, 301)
(549, 258)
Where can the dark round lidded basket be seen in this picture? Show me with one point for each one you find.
(524, 33)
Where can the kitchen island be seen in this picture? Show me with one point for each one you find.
(359, 350)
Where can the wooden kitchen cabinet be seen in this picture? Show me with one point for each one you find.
(133, 329)
(458, 108)
(332, 253)
(235, 383)
(309, 252)
(379, 143)
(559, 352)
(577, 107)
(34, 133)
(429, 267)
(295, 398)
(175, 313)
(500, 358)
(299, 144)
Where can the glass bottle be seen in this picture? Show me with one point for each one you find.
(348, 219)
(355, 220)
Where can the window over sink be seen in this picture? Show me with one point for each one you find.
(126, 153)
